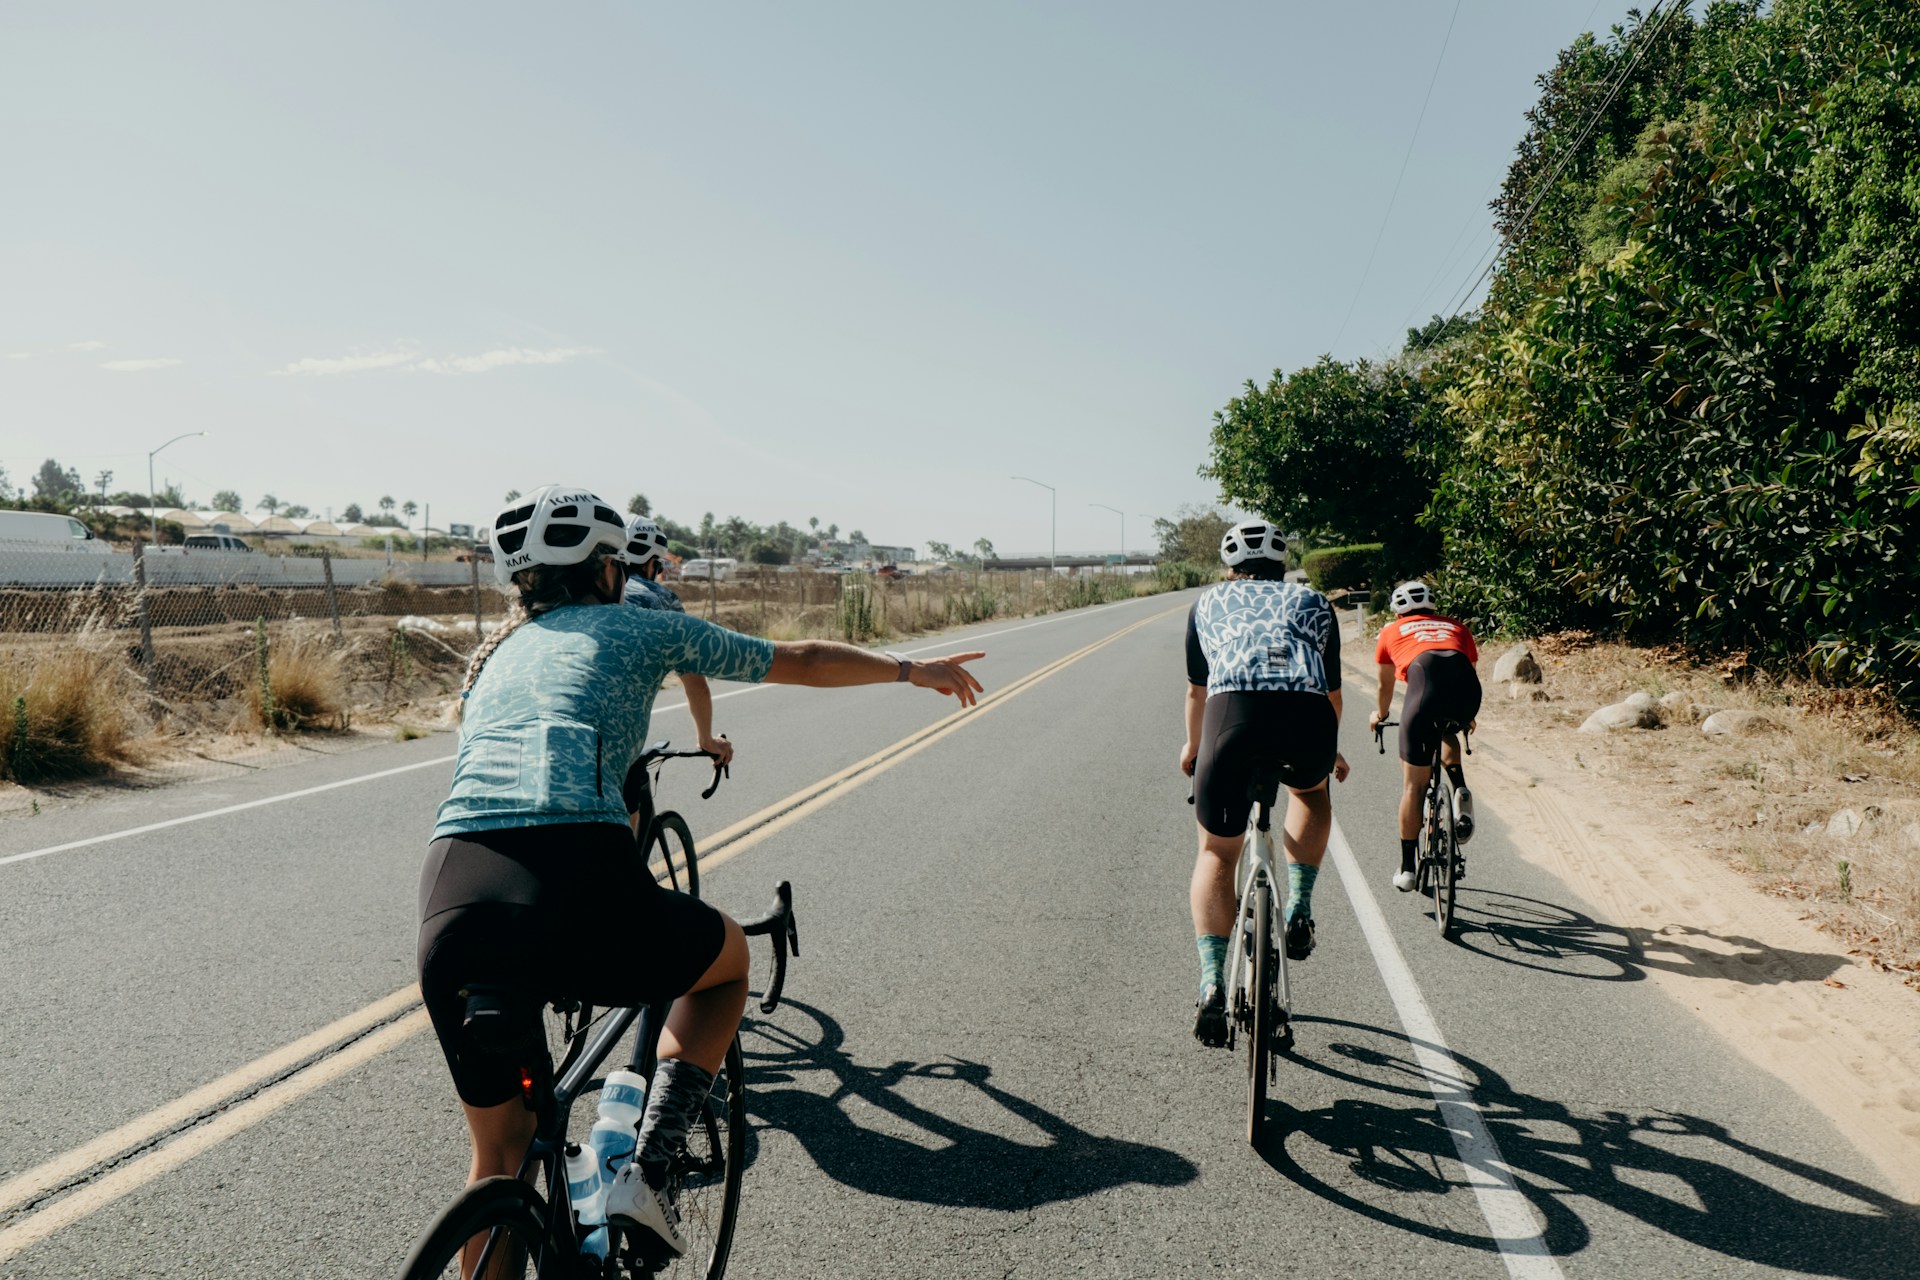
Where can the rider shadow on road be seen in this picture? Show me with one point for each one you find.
(1546, 936)
(807, 1084)
(1688, 1177)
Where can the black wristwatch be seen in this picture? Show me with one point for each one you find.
(906, 667)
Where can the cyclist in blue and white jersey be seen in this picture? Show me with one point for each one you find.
(533, 879)
(1263, 680)
(644, 555)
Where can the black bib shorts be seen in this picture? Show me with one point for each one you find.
(1298, 730)
(563, 912)
(1442, 689)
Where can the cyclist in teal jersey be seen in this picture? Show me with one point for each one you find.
(533, 878)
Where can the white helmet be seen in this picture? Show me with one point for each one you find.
(1252, 540)
(557, 524)
(1409, 596)
(644, 541)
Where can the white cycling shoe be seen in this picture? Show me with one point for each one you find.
(1463, 815)
(631, 1202)
(1403, 881)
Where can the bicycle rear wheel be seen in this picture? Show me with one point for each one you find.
(1445, 854)
(705, 1181)
(670, 855)
(1260, 994)
(503, 1219)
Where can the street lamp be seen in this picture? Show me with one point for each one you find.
(1123, 528)
(1053, 522)
(153, 506)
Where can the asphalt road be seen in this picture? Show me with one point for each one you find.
(984, 1068)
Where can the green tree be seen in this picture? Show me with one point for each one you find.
(939, 550)
(352, 514)
(409, 509)
(1347, 452)
(764, 552)
(228, 500)
(387, 505)
(983, 548)
(638, 505)
(268, 504)
(297, 512)
(1194, 536)
(56, 484)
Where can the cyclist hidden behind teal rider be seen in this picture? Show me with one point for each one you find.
(1434, 654)
(645, 557)
(1263, 683)
(533, 879)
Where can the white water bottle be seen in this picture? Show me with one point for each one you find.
(588, 1191)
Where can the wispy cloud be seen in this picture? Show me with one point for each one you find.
(136, 366)
(19, 355)
(413, 361)
(86, 346)
(319, 367)
(502, 356)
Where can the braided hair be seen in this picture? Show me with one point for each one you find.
(538, 589)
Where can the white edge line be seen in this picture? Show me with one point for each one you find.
(216, 813)
(1516, 1231)
(1063, 616)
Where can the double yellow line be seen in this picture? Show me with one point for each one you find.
(61, 1191)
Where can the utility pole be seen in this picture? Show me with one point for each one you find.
(1053, 522)
(1123, 528)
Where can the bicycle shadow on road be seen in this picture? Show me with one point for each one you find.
(1551, 938)
(806, 1083)
(1688, 1177)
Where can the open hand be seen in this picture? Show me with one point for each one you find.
(949, 676)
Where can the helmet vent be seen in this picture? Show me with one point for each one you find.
(565, 535)
(510, 540)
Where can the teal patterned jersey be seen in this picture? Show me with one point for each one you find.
(1252, 635)
(561, 710)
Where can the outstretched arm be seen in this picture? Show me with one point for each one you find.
(828, 664)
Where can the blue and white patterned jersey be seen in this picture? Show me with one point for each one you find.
(651, 595)
(561, 710)
(1255, 635)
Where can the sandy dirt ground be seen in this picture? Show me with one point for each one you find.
(1757, 969)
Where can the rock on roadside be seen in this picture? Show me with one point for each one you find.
(1738, 723)
(1623, 715)
(1518, 665)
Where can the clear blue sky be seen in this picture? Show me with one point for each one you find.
(859, 261)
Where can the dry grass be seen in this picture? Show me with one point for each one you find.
(66, 712)
(1763, 802)
(307, 678)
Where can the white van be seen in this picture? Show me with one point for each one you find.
(50, 532)
(720, 570)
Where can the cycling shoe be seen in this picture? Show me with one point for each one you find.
(1299, 938)
(1403, 881)
(1210, 1022)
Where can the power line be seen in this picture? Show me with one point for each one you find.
(1653, 29)
(1411, 142)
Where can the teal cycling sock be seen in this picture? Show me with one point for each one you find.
(1300, 890)
(1213, 959)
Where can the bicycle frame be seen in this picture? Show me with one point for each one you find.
(1256, 858)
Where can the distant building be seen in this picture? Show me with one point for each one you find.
(891, 555)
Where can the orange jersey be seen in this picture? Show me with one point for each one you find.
(1406, 638)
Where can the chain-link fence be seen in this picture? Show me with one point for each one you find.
(174, 664)
(182, 662)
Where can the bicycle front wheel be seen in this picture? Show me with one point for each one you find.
(704, 1179)
(670, 855)
(1260, 992)
(496, 1228)
(1445, 859)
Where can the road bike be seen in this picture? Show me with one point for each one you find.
(1259, 994)
(506, 1228)
(1438, 866)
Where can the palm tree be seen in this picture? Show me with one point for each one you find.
(813, 522)
(268, 504)
(386, 505)
(408, 508)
